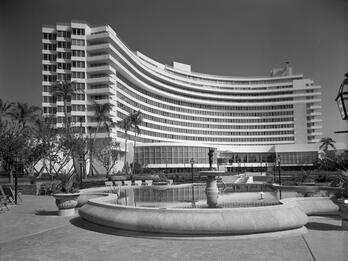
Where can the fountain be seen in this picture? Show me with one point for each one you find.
(210, 221)
(211, 190)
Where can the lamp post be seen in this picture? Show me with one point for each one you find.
(192, 161)
(342, 98)
(261, 167)
(342, 101)
(280, 181)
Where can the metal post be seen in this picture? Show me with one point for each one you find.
(261, 167)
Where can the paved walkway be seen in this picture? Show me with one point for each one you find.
(33, 231)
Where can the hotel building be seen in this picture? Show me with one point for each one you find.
(249, 120)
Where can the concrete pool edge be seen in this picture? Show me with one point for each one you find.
(216, 221)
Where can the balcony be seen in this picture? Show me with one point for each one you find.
(101, 69)
(98, 36)
(106, 90)
(102, 101)
(99, 57)
(105, 79)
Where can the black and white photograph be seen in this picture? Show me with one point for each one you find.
(174, 130)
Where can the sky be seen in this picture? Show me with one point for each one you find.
(234, 38)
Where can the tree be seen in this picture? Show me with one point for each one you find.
(342, 160)
(5, 109)
(136, 119)
(326, 160)
(65, 90)
(125, 124)
(44, 137)
(13, 139)
(327, 142)
(26, 114)
(107, 153)
(102, 116)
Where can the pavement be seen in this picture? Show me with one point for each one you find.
(33, 231)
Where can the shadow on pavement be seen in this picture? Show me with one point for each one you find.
(81, 223)
(322, 226)
(42, 212)
(84, 224)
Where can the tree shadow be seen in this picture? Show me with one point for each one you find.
(322, 226)
(42, 212)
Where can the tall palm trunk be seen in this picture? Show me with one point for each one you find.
(134, 145)
(67, 125)
(125, 150)
(91, 150)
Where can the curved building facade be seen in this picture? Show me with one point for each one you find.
(248, 119)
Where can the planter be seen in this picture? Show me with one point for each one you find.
(66, 203)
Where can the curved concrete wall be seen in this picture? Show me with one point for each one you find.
(218, 221)
(313, 205)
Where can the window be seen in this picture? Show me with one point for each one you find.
(78, 31)
(64, 66)
(49, 67)
(78, 64)
(80, 75)
(78, 97)
(78, 119)
(62, 55)
(78, 107)
(51, 47)
(64, 45)
(50, 57)
(51, 110)
(63, 34)
(64, 76)
(48, 99)
(49, 78)
(47, 88)
(78, 86)
(49, 36)
(78, 53)
(78, 42)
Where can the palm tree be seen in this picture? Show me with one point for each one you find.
(5, 109)
(324, 157)
(24, 114)
(66, 90)
(327, 142)
(125, 124)
(136, 119)
(102, 116)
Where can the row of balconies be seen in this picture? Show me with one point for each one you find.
(100, 42)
